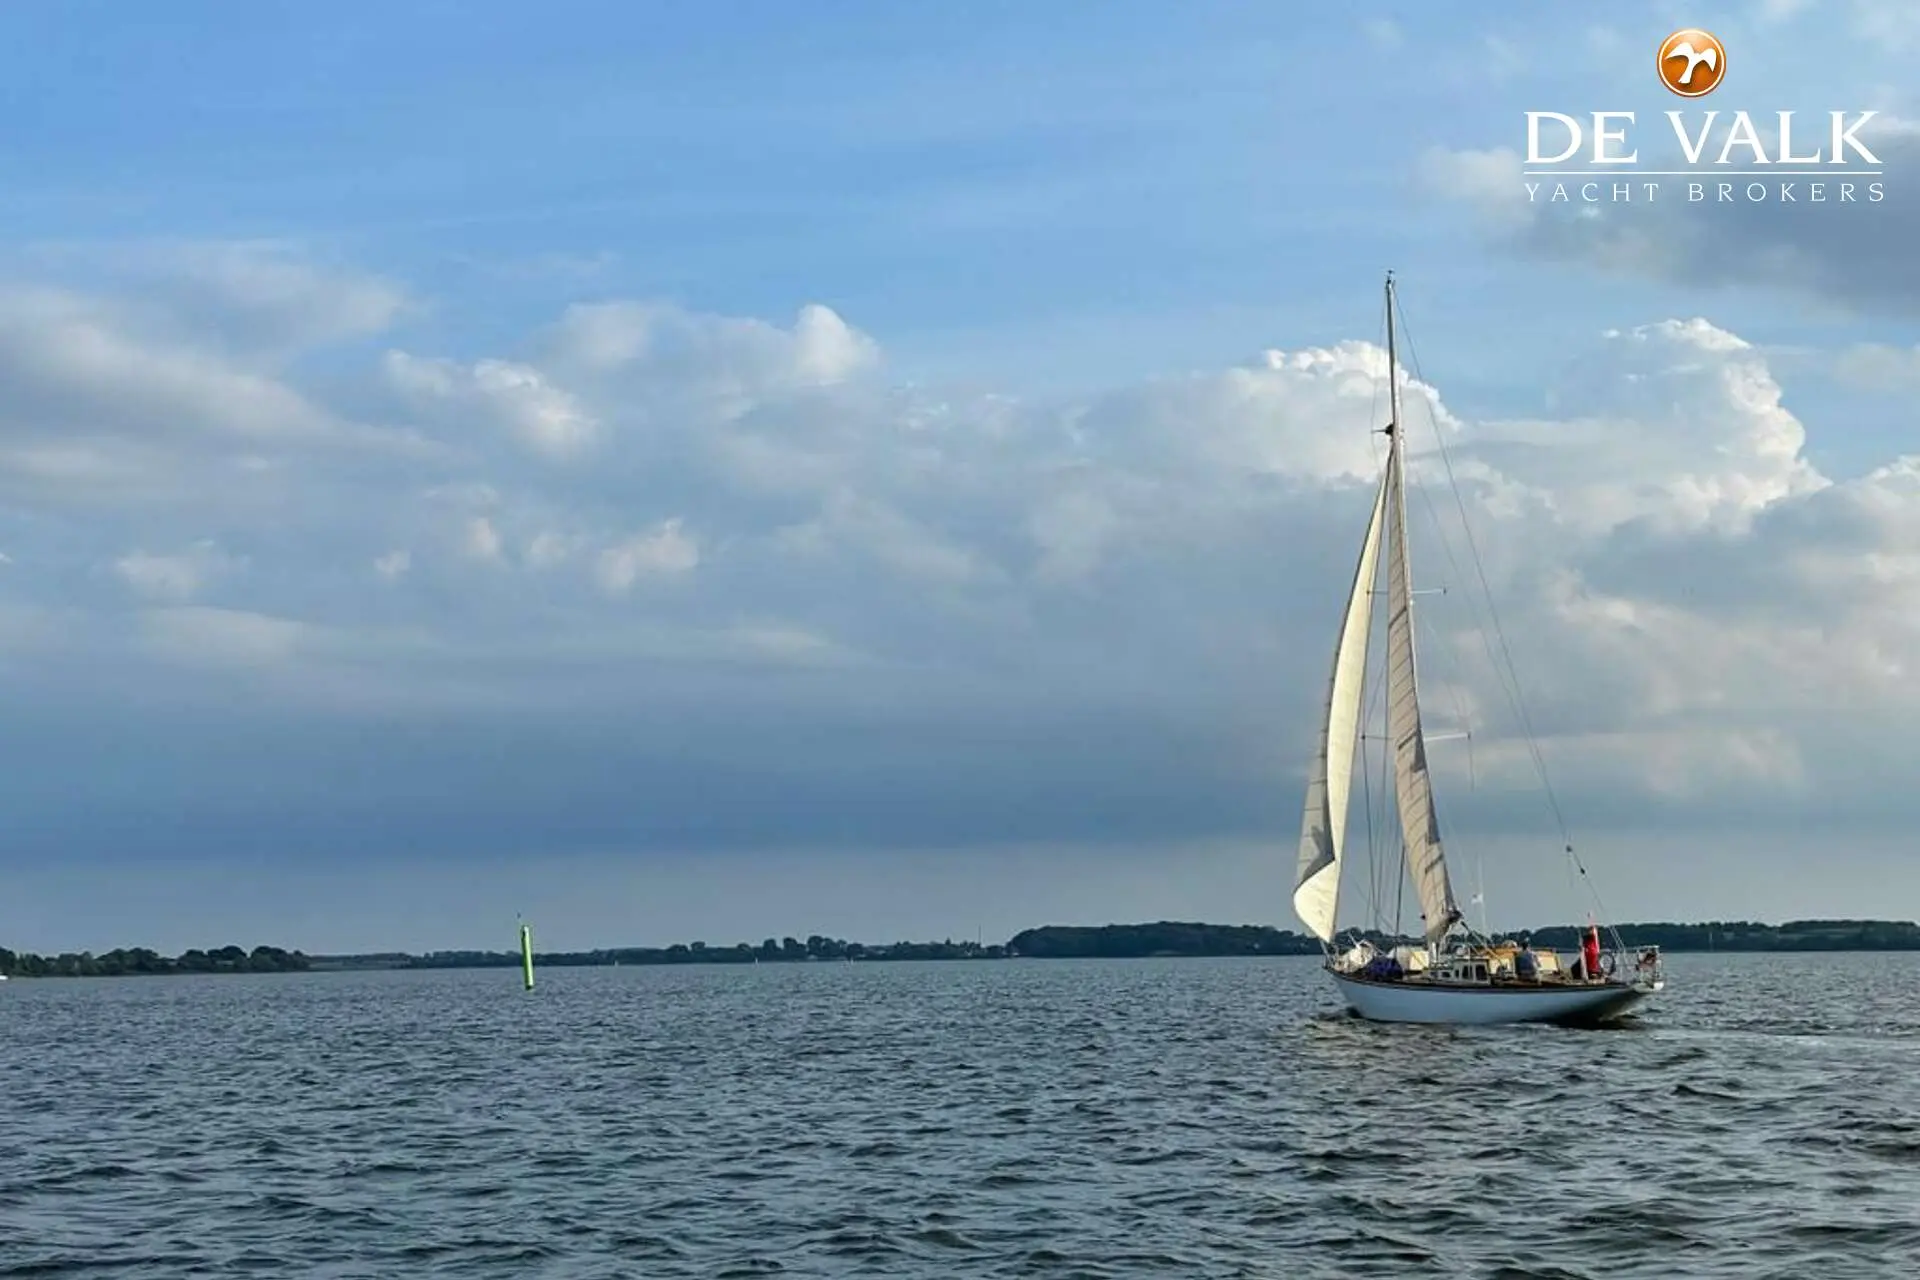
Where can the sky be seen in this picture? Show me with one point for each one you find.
(710, 472)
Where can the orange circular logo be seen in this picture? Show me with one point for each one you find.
(1692, 62)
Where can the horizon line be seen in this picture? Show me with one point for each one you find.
(977, 941)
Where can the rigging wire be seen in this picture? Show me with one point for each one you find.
(1510, 685)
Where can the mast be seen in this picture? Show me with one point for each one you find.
(1419, 825)
(1393, 378)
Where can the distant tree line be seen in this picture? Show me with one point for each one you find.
(142, 960)
(771, 951)
(1162, 938)
(1050, 942)
(1750, 935)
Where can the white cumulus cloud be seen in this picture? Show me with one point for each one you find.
(666, 551)
(178, 576)
(1107, 608)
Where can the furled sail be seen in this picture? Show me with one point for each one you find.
(1419, 826)
(1323, 826)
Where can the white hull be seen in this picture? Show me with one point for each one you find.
(1418, 1001)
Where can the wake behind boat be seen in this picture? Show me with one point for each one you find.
(1448, 973)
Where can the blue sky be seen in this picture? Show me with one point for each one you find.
(742, 468)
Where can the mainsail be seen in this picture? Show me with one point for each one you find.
(1419, 827)
(1323, 826)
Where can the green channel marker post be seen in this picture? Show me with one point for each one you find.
(526, 953)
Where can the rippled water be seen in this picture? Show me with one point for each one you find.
(1099, 1119)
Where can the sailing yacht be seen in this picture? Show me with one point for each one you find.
(1449, 973)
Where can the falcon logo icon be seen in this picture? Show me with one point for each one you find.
(1692, 62)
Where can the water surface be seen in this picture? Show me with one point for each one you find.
(1020, 1118)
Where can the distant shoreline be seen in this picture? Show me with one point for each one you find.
(1050, 942)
